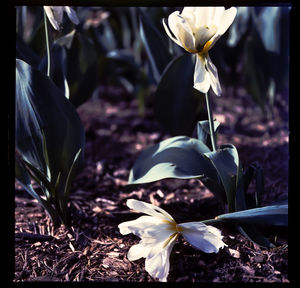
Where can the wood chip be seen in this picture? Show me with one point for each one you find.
(233, 253)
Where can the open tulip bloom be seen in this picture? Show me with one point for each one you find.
(196, 29)
(55, 15)
(158, 232)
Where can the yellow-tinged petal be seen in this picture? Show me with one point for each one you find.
(201, 75)
(158, 265)
(203, 35)
(182, 31)
(158, 234)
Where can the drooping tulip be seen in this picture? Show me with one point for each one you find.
(158, 232)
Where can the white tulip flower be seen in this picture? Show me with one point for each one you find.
(196, 29)
(158, 233)
(55, 15)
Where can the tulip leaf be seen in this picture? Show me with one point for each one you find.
(249, 230)
(175, 98)
(226, 163)
(80, 66)
(24, 52)
(48, 129)
(44, 107)
(254, 171)
(58, 67)
(271, 215)
(23, 178)
(203, 131)
(155, 45)
(179, 157)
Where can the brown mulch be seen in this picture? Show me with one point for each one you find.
(92, 249)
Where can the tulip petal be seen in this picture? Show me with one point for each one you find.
(182, 31)
(204, 34)
(216, 15)
(72, 15)
(201, 76)
(204, 238)
(140, 223)
(158, 243)
(226, 20)
(149, 209)
(198, 16)
(137, 251)
(54, 16)
(170, 34)
(144, 226)
(214, 78)
(158, 265)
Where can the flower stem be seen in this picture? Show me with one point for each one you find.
(48, 41)
(211, 123)
(211, 221)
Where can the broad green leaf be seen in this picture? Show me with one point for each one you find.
(178, 157)
(58, 71)
(27, 127)
(226, 163)
(270, 215)
(41, 106)
(80, 62)
(203, 132)
(175, 98)
(39, 177)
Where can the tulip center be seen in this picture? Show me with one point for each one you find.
(173, 226)
(202, 37)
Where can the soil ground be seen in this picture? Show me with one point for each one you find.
(92, 249)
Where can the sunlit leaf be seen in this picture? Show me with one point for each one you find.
(178, 157)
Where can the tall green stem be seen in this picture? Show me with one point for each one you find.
(48, 44)
(211, 123)
(211, 221)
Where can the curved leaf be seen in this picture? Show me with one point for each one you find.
(41, 106)
(178, 157)
(203, 131)
(270, 215)
(226, 163)
(175, 98)
(156, 46)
